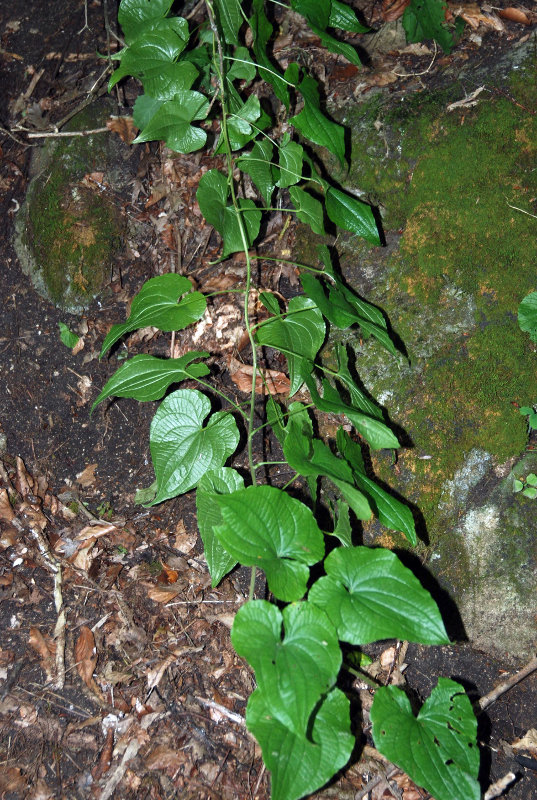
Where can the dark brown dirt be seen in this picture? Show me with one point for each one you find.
(158, 664)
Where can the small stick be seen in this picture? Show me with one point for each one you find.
(498, 787)
(222, 709)
(59, 134)
(490, 698)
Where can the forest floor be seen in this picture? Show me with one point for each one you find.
(153, 698)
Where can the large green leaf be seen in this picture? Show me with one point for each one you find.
(308, 210)
(299, 336)
(369, 595)
(527, 315)
(335, 46)
(293, 674)
(214, 482)
(165, 302)
(212, 196)
(311, 121)
(137, 17)
(301, 764)
(352, 215)
(438, 748)
(265, 527)
(146, 377)
(257, 164)
(148, 56)
(172, 122)
(181, 448)
(230, 18)
(390, 511)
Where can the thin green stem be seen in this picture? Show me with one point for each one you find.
(292, 263)
(284, 487)
(223, 395)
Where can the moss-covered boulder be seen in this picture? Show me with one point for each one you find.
(70, 227)
(461, 187)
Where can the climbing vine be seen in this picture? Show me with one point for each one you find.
(206, 80)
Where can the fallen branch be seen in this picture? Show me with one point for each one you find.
(490, 698)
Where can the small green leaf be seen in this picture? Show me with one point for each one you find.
(531, 493)
(172, 122)
(67, 338)
(317, 12)
(426, 19)
(438, 748)
(165, 302)
(298, 336)
(311, 121)
(343, 530)
(527, 315)
(270, 301)
(390, 511)
(308, 210)
(291, 157)
(145, 377)
(295, 673)
(242, 67)
(356, 500)
(335, 46)
(525, 410)
(368, 595)
(352, 215)
(137, 16)
(517, 486)
(151, 59)
(262, 32)
(343, 17)
(257, 164)
(239, 130)
(532, 421)
(531, 479)
(265, 527)
(230, 18)
(181, 448)
(215, 482)
(301, 764)
(212, 196)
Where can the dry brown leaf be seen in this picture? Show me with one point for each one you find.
(528, 742)
(12, 781)
(162, 594)
(515, 15)
(472, 14)
(105, 758)
(393, 9)
(87, 476)
(154, 676)
(86, 655)
(46, 649)
(33, 516)
(163, 757)
(168, 575)
(158, 191)
(241, 374)
(6, 510)
(24, 483)
(78, 346)
(184, 540)
(124, 127)
(95, 531)
(8, 537)
(220, 282)
(40, 791)
(94, 180)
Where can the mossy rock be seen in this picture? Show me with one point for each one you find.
(450, 284)
(69, 230)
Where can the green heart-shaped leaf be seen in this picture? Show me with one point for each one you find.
(438, 748)
(264, 527)
(216, 481)
(369, 595)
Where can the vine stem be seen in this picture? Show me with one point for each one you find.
(219, 67)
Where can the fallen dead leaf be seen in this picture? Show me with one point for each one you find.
(6, 509)
(184, 540)
(162, 594)
(12, 781)
(40, 791)
(46, 649)
(274, 382)
(515, 15)
(527, 742)
(87, 476)
(168, 758)
(86, 655)
(124, 127)
(393, 9)
(168, 575)
(472, 14)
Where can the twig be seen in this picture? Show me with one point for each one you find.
(516, 208)
(237, 718)
(490, 698)
(417, 74)
(50, 562)
(60, 134)
(258, 781)
(498, 787)
(117, 775)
